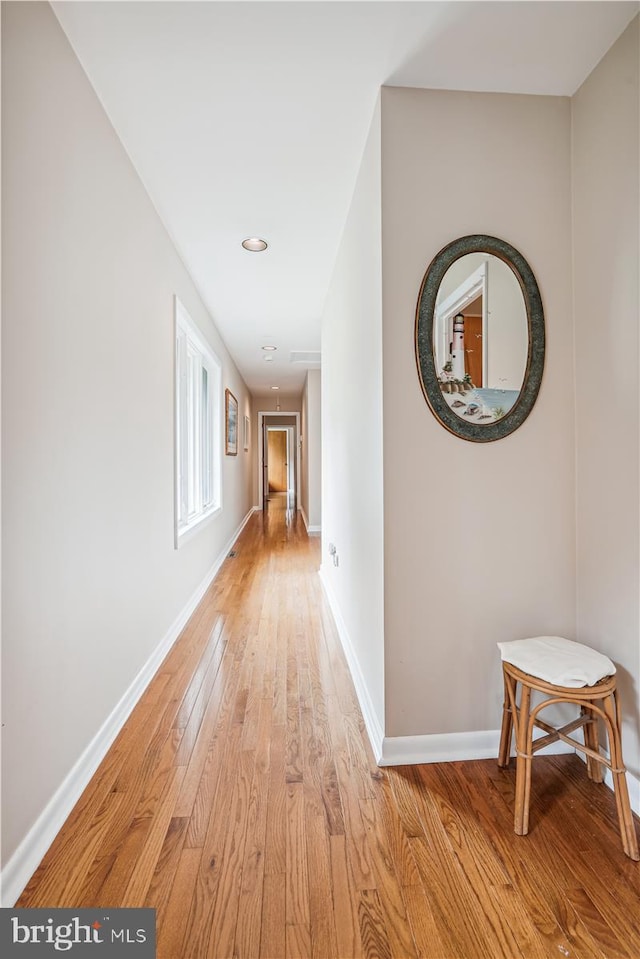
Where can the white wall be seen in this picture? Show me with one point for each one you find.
(479, 538)
(352, 439)
(606, 264)
(92, 582)
(507, 331)
(311, 428)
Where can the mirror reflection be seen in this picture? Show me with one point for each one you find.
(480, 338)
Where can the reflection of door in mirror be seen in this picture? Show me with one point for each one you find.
(473, 341)
(463, 283)
(486, 291)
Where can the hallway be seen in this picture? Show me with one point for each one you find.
(242, 802)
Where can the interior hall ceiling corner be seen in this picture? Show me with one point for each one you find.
(250, 119)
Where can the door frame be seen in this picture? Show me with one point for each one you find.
(289, 465)
(291, 469)
(477, 284)
(261, 417)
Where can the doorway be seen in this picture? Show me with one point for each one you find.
(473, 341)
(280, 471)
(277, 472)
(279, 458)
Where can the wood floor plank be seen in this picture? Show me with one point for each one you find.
(322, 919)
(345, 902)
(197, 759)
(392, 833)
(224, 916)
(170, 929)
(298, 942)
(398, 929)
(215, 777)
(276, 837)
(247, 933)
(273, 921)
(601, 930)
(431, 941)
(241, 800)
(297, 867)
(122, 864)
(161, 885)
(136, 889)
(358, 850)
(373, 927)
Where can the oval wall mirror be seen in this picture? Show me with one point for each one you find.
(479, 338)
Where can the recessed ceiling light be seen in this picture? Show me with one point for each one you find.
(275, 387)
(270, 349)
(254, 244)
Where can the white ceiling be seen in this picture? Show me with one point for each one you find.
(250, 118)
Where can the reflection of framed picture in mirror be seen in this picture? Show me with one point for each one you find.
(230, 424)
(246, 432)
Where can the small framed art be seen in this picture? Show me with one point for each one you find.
(230, 424)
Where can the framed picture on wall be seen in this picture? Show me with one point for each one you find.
(246, 432)
(230, 424)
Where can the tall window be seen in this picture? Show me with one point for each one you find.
(198, 430)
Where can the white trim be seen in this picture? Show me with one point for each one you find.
(371, 721)
(29, 854)
(439, 747)
(187, 532)
(633, 784)
(311, 530)
(246, 441)
(190, 341)
(464, 293)
(291, 469)
(448, 747)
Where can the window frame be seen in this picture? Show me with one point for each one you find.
(198, 411)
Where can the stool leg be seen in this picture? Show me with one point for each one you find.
(523, 764)
(625, 816)
(595, 770)
(507, 720)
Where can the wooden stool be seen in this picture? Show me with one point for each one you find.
(597, 701)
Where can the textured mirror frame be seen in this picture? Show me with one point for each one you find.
(425, 312)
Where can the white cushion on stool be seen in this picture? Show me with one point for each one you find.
(557, 660)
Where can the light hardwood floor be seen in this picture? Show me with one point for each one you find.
(241, 801)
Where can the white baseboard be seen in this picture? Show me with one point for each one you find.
(311, 530)
(29, 854)
(633, 784)
(439, 747)
(371, 721)
(448, 747)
